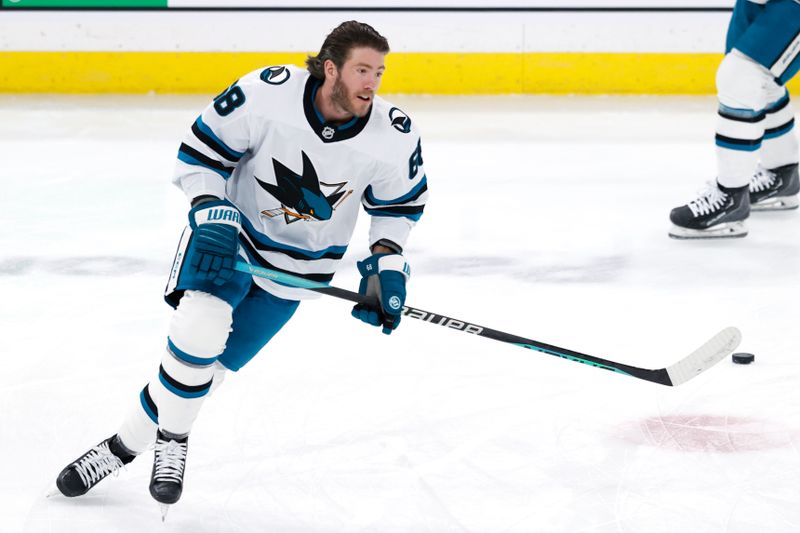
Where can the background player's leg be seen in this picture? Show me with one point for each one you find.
(775, 185)
(740, 120)
(761, 50)
(772, 40)
(722, 209)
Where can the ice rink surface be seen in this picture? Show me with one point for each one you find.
(548, 218)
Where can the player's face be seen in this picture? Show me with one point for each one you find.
(358, 81)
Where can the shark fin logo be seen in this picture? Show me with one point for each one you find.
(303, 196)
(400, 120)
(275, 75)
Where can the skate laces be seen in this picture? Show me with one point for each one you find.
(709, 200)
(97, 464)
(170, 460)
(763, 179)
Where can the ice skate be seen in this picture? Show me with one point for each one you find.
(775, 189)
(166, 480)
(717, 212)
(77, 478)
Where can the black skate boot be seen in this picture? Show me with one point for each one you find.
(93, 466)
(718, 212)
(775, 189)
(166, 481)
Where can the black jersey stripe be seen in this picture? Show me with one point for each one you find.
(294, 254)
(404, 210)
(205, 160)
(370, 198)
(253, 254)
(212, 143)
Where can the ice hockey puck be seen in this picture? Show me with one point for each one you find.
(743, 358)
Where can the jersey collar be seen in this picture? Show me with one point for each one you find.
(327, 132)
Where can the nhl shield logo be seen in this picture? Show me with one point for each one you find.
(275, 75)
(328, 132)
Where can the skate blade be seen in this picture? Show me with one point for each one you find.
(727, 230)
(779, 203)
(164, 508)
(52, 490)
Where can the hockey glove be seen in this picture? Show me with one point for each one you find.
(214, 244)
(383, 280)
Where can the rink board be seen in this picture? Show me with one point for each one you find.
(445, 53)
(445, 73)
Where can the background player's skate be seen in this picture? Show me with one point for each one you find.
(776, 189)
(717, 212)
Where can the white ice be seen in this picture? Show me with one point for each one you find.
(548, 218)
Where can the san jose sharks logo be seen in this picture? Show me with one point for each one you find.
(303, 196)
(400, 120)
(275, 75)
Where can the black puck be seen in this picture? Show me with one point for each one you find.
(743, 358)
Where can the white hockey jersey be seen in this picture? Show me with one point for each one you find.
(298, 181)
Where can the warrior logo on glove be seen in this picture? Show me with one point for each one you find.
(395, 302)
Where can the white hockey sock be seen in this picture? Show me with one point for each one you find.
(197, 336)
(742, 94)
(138, 430)
(780, 145)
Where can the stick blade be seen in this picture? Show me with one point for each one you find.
(706, 356)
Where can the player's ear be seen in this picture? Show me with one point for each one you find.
(329, 67)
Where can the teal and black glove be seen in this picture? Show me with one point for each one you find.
(214, 245)
(383, 281)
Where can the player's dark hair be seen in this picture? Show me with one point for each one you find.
(339, 42)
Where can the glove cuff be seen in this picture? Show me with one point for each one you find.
(218, 212)
(396, 263)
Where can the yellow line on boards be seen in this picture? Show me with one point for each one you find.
(411, 73)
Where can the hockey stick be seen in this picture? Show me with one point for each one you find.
(700, 360)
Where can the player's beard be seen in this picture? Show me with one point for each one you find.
(343, 100)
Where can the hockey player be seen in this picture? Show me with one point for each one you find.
(274, 169)
(757, 151)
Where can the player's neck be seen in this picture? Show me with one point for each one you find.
(326, 107)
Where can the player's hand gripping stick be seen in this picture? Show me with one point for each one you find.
(383, 281)
(214, 244)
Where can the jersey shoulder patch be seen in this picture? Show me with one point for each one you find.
(393, 117)
(399, 120)
(275, 75)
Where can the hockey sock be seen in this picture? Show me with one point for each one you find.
(780, 146)
(197, 336)
(138, 431)
(742, 97)
(739, 136)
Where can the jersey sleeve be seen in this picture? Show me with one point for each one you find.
(396, 197)
(216, 141)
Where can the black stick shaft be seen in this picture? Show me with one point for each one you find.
(656, 376)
